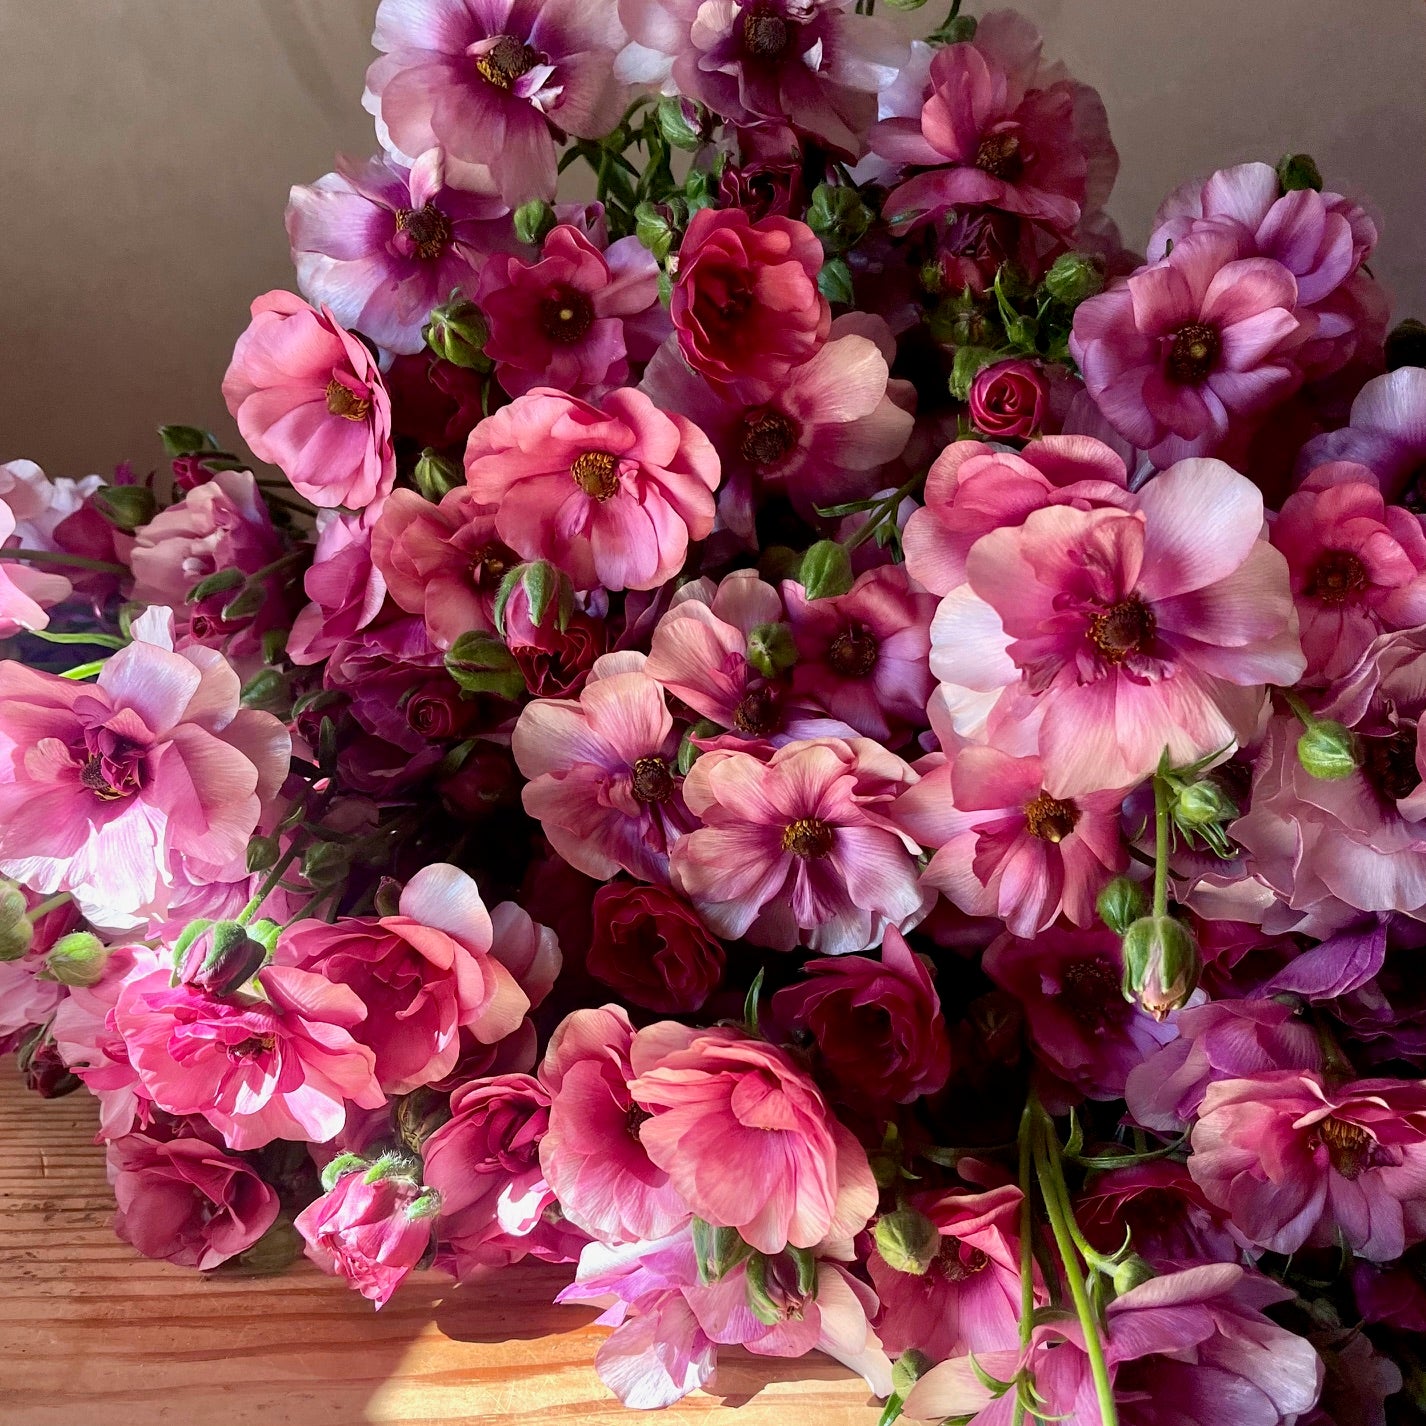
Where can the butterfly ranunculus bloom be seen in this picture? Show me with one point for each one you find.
(1386, 433)
(747, 1139)
(25, 592)
(307, 396)
(612, 494)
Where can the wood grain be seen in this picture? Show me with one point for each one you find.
(90, 1332)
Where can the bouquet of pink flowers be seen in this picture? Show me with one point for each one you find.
(811, 738)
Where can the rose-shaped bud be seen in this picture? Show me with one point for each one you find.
(718, 1250)
(907, 1240)
(682, 122)
(1328, 751)
(771, 649)
(437, 475)
(1008, 400)
(77, 959)
(1073, 278)
(1201, 804)
(650, 946)
(826, 570)
(778, 1286)
(1299, 170)
(907, 1370)
(1121, 903)
(1161, 964)
(17, 934)
(839, 217)
(220, 959)
(1406, 344)
(43, 1068)
(1130, 1272)
(533, 222)
(533, 596)
(326, 864)
(126, 507)
(481, 663)
(457, 332)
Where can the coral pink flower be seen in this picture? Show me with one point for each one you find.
(186, 1201)
(746, 306)
(380, 244)
(25, 592)
(424, 975)
(1186, 350)
(1135, 630)
(876, 1025)
(601, 773)
(1387, 434)
(800, 849)
(153, 776)
(1357, 566)
(995, 132)
(308, 397)
(573, 318)
(444, 562)
(370, 1230)
(1004, 847)
(612, 493)
(747, 1139)
(591, 1153)
(485, 81)
(804, 62)
(1293, 1162)
(279, 1065)
(968, 1299)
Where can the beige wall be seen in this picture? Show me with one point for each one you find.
(146, 149)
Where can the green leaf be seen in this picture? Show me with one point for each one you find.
(834, 282)
(826, 570)
(750, 1003)
(185, 440)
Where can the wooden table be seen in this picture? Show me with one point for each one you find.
(92, 1333)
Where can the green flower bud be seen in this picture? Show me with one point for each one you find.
(536, 592)
(1328, 751)
(1201, 804)
(839, 217)
(954, 32)
(908, 1369)
(1298, 170)
(457, 332)
(1406, 345)
(717, 1250)
(223, 958)
(185, 441)
(437, 475)
(681, 122)
(771, 649)
(1073, 277)
(826, 570)
(1161, 964)
(1121, 903)
(325, 864)
(907, 1240)
(480, 663)
(219, 582)
(533, 222)
(77, 959)
(761, 1303)
(16, 932)
(267, 689)
(1131, 1272)
(263, 853)
(126, 507)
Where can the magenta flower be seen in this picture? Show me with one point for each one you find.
(379, 244)
(281, 1064)
(1005, 847)
(808, 63)
(1135, 630)
(1009, 400)
(369, 1228)
(1387, 434)
(800, 849)
(346, 589)
(650, 946)
(185, 1201)
(747, 1139)
(1294, 1162)
(123, 790)
(25, 592)
(489, 81)
(601, 774)
(591, 1153)
(575, 317)
(612, 494)
(308, 397)
(1187, 350)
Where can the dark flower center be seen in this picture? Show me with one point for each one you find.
(759, 713)
(597, 474)
(1193, 353)
(853, 653)
(344, 402)
(253, 1046)
(1338, 577)
(808, 838)
(566, 317)
(1049, 819)
(765, 34)
(1348, 1146)
(506, 61)
(652, 780)
(634, 1119)
(1001, 156)
(1090, 990)
(1124, 628)
(428, 228)
(1389, 764)
(768, 437)
(958, 1262)
(109, 778)
(1413, 493)
(490, 565)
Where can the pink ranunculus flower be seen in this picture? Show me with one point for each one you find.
(801, 849)
(651, 947)
(613, 494)
(591, 1154)
(602, 775)
(746, 307)
(1183, 353)
(380, 244)
(370, 1230)
(746, 1138)
(281, 1063)
(444, 562)
(575, 317)
(490, 82)
(308, 397)
(186, 1201)
(808, 63)
(150, 778)
(424, 975)
(41, 504)
(345, 588)
(1133, 630)
(26, 592)
(1009, 400)
(1386, 433)
(1295, 1161)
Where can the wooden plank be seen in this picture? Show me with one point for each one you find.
(91, 1332)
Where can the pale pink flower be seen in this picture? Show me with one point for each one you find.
(39, 503)
(612, 494)
(26, 591)
(746, 1138)
(308, 397)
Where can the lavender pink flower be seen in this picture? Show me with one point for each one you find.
(26, 593)
(1386, 433)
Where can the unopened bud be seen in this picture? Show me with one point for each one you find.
(1121, 903)
(274, 1252)
(681, 122)
(457, 332)
(826, 570)
(533, 222)
(1328, 751)
(1161, 964)
(436, 475)
(325, 864)
(480, 663)
(1073, 278)
(1131, 1272)
(1200, 804)
(838, 216)
(907, 1240)
(535, 594)
(126, 507)
(1299, 170)
(16, 932)
(654, 230)
(77, 959)
(222, 959)
(771, 649)
(717, 1250)
(908, 1369)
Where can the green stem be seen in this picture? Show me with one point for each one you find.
(1028, 1129)
(85, 670)
(56, 557)
(1161, 847)
(53, 903)
(884, 510)
(269, 884)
